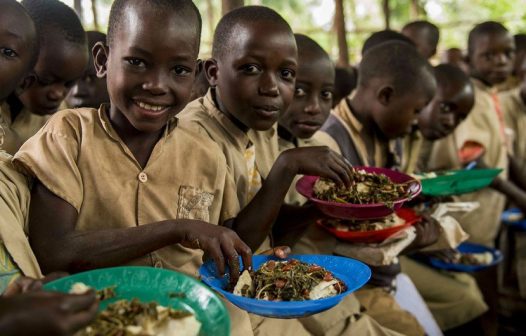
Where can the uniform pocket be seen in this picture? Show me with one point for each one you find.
(194, 203)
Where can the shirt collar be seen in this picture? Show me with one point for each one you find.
(343, 110)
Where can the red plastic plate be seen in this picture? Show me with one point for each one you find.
(410, 217)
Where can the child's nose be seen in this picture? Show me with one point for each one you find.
(156, 83)
(501, 58)
(313, 107)
(268, 85)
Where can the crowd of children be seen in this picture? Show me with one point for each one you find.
(126, 149)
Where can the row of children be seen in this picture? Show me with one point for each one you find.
(213, 180)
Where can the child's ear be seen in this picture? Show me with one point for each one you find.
(26, 83)
(211, 71)
(100, 58)
(385, 95)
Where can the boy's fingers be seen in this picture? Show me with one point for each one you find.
(246, 255)
(81, 319)
(77, 303)
(217, 256)
(282, 251)
(232, 259)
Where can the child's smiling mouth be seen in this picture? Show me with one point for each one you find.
(151, 109)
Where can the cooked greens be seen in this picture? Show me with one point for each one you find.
(366, 188)
(290, 280)
(125, 317)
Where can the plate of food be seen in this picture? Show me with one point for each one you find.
(468, 258)
(370, 230)
(375, 193)
(148, 301)
(456, 182)
(514, 217)
(298, 286)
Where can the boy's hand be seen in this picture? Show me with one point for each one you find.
(219, 243)
(317, 161)
(427, 232)
(281, 252)
(46, 313)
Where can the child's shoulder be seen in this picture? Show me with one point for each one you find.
(197, 141)
(70, 120)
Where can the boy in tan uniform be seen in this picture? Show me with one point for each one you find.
(483, 134)
(457, 300)
(62, 59)
(171, 187)
(362, 134)
(296, 126)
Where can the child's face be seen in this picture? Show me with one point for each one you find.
(491, 59)
(312, 99)
(88, 91)
(16, 34)
(449, 107)
(395, 116)
(60, 64)
(149, 74)
(255, 80)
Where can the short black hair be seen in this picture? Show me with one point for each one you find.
(484, 28)
(185, 7)
(383, 36)
(307, 45)
(55, 16)
(33, 43)
(431, 31)
(520, 42)
(345, 82)
(447, 74)
(401, 63)
(243, 15)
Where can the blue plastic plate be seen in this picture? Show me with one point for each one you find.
(468, 248)
(515, 218)
(155, 284)
(353, 273)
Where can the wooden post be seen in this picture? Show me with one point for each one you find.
(95, 14)
(228, 5)
(387, 13)
(77, 5)
(414, 10)
(341, 34)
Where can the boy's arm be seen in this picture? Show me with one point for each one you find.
(515, 194)
(517, 174)
(59, 247)
(292, 222)
(254, 223)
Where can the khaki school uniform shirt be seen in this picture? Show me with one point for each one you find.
(293, 197)
(485, 127)
(16, 255)
(203, 114)
(79, 157)
(411, 152)
(515, 117)
(17, 131)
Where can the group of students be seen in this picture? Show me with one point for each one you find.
(158, 159)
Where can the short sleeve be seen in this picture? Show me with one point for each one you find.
(324, 139)
(51, 157)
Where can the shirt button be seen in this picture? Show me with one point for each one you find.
(143, 177)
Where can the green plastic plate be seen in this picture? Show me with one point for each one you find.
(167, 288)
(457, 182)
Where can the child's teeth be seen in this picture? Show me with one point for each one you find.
(150, 107)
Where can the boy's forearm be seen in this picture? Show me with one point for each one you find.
(517, 174)
(292, 223)
(254, 222)
(510, 190)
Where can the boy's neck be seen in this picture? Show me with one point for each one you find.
(141, 144)
(223, 110)
(15, 106)
(480, 79)
(358, 107)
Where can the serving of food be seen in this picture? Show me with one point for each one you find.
(374, 193)
(290, 280)
(467, 258)
(148, 301)
(298, 286)
(365, 225)
(366, 188)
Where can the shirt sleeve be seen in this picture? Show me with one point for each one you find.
(230, 207)
(51, 157)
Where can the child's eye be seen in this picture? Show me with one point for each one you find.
(251, 69)
(326, 95)
(136, 62)
(287, 74)
(8, 52)
(181, 71)
(299, 92)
